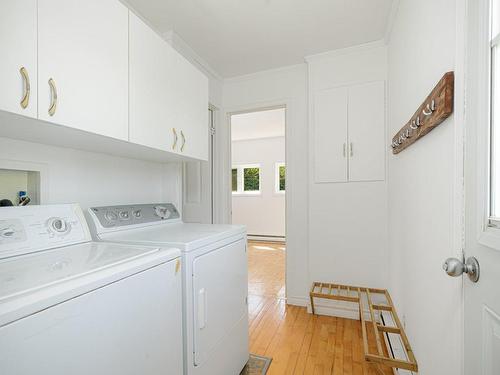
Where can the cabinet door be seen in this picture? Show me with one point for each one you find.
(330, 135)
(83, 48)
(152, 108)
(191, 104)
(18, 33)
(367, 132)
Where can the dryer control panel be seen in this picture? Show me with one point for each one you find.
(124, 216)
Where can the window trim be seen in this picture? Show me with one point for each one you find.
(241, 183)
(277, 167)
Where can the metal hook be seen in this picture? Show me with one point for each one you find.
(407, 133)
(429, 108)
(433, 105)
(418, 123)
(413, 125)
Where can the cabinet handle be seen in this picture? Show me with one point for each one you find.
(174, 145)
(351, 150)
(344, 152)
(27, 87)
(183, 140)
(53, 97)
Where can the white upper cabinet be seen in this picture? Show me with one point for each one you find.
(330, 135)
(152, 107)
(83, 65)
(191, 107)
(349, 133)
(18, 34)
(168, 96)
(367, 132)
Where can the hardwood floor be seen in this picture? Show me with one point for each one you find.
(298, 342)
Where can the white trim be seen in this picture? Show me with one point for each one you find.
(297, 301)
(261, 73)
(241, 180)
(43, 183)
(345, 51)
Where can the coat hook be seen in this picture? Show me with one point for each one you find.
(413, 125)
(418, 123)
(407, 133)
(433, 105)
(427, 111)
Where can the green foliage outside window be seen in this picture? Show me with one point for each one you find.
(234, 179)
(282, 172)
(251, 179)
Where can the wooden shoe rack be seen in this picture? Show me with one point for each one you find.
(383, 321)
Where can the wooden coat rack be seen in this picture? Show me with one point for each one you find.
(435, 109)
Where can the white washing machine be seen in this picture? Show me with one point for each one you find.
(72, 306)
(215, 281)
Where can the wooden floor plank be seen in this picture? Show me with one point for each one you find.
(298, 342)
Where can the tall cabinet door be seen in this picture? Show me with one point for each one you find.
(330, 135)
(83, 61)
(152, 108)
(367, 132)
(191, 104)
(18, 34)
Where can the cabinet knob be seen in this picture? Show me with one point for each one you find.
(27, 87)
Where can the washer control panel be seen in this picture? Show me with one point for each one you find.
(33, 228)
(120, 216)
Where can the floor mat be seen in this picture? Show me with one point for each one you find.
(256, 365)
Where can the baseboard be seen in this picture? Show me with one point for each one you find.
(297, 301)
(255, 237)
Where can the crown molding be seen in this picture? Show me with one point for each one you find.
(345, 51)
(390, 22)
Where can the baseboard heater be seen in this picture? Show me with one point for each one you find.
(382, 329)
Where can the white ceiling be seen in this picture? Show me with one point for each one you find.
(254, 125)
(237, 37)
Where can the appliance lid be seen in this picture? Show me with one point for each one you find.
(28, 273)
(186, 236)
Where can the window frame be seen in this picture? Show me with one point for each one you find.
(277, 167)
(494, 123)
(241, 180)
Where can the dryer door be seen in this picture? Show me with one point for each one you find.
(220, 289)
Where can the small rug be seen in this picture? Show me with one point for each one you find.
(256, 365)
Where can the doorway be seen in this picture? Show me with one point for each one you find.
(258, 196)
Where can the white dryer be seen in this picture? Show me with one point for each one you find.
(72, 306)
(215, 281)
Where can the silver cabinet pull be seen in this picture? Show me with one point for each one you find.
(174, 145)
(344, 151)
(351, 150)
(53, 97)
(27, 87)
(183, 141)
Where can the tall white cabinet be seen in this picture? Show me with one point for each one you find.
(18, 66)
(83, 50)
(349, 133)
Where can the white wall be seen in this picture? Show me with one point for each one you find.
(263, 214)
(347, 221)
(92, 179)
(422, 209)
(268, 89)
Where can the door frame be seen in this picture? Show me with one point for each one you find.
(226, 160)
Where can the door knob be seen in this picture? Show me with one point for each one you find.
(455, 267)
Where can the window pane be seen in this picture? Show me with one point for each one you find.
(234, 179)
(282, 177)
(251, 179)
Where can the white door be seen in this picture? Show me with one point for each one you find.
(330, 135)
(198, 184)
(190, 87)
(83, 51)
(18, 34)
(220, 291)
(152, 107)
(367, 132)
(482, 178)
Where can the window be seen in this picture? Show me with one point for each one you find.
(280, 177)
(495, 112)
(234, 179)
(246, 179)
